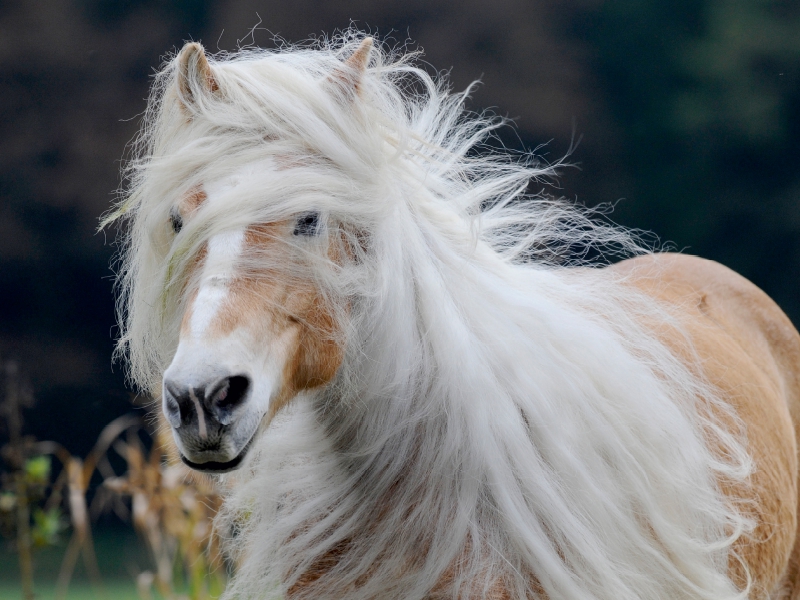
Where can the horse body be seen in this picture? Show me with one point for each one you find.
(361, 322)
(750, 352)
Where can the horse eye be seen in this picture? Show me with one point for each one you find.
(307, 224)
(175, 220)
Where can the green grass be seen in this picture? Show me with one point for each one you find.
(114, 590)
(120, 557)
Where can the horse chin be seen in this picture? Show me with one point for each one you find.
(212, 467)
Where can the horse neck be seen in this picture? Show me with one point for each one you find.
(486, 415)
(419, 395)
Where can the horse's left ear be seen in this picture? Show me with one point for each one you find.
(350, 74)
(195, 76)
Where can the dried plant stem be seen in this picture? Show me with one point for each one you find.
(24, 539)
(13, 409)
(80, 541)
(68, 566)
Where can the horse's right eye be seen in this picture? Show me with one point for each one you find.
(176, 220)
(307, 224)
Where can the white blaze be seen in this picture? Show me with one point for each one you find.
(222, 254)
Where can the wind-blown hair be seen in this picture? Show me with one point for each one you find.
(498, 421)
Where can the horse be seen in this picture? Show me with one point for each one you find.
(407, 372)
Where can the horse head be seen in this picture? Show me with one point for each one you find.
(256, 327)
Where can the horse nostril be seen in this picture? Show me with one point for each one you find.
(178, 404)
(229, 394)
(172, 408)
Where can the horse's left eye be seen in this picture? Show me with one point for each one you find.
(176, 220)
(307, 224)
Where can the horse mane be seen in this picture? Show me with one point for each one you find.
(501, 418)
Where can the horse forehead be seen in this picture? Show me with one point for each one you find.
(223, 252)
(221, 282)
(227, 252)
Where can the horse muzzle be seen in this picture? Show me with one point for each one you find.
(209, 419)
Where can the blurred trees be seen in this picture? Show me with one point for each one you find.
(74, 75)
(688, 109)
(707, 99)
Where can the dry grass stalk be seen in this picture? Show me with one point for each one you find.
(16, 398)
(173, 511)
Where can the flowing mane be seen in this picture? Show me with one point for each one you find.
(512, 414)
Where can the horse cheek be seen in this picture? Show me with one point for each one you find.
(318, 355)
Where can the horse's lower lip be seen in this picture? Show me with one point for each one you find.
(220, 467)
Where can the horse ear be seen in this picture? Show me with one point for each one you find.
(195, 77)
(349, 75)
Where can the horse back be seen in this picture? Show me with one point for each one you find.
(750, 351)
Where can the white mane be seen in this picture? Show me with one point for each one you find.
(498, 418)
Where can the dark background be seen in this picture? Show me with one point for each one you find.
(687, 111)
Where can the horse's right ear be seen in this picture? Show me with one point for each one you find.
(195, 76)
(348, 76)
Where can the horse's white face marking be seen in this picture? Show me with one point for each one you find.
(250, 339)
(222, 253)
(203, 431)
